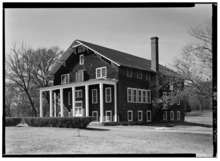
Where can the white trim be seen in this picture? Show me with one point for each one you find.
(110, 95)
(81, 59)
(115, 103)
(51, 103)
(97, 52)
(96, 98)
(97, 115)
(87, 99)
(110, 111)
(149, 120)
(178, 115)
(101, 101)
(80, 112)
(140, 111)
(130, 111)
(164, 115)
(172, 114)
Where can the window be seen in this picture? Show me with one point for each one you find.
(148, 116)
(78, 93)
(139, 75)
(171, 115)
(144, 93)
(129, 73)
(69, 98)
(108, 95)
(80, 76)
(65, 78)
(108, 115)
(129, 95)
(134, 96)
(94, 96)
(95, 114)
(148, 96)
(165, 115)
(130, 115)
(81, 59)
(140, 115)
(139, 95)
(178, 115)
(101, 72)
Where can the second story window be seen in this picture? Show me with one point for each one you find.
(101, 72)
(65, 78)
(129, 73)
(94, 96)
(108, 95)
(139, 75)
(81, 59)
(79, 76)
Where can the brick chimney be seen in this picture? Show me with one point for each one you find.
(154, 54)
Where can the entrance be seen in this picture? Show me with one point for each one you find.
(78, 109)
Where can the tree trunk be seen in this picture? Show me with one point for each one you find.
(31, 103)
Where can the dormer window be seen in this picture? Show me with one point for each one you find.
(101, 72)
(65, 78)
(81, 59)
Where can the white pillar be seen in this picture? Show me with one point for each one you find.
(51, 103)
(101, 101)
(87, 99)
(73, 101)
(61, 102)
(115, 101)
(41, 104)
(55, 104)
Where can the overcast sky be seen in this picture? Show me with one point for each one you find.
(127, 30)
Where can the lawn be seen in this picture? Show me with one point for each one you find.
(108, 139)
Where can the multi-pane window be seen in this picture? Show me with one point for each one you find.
(65, 78)
(108, 95)
(129, 73)
(178, 115)
(148, 116)
(94, 96)
(139, 75)
(171, 115)
(78, 93)
(135, 95)
(80, 76)
(140, 115)
(130, 115)
(81, 59)
(101, 72)
(165, 115)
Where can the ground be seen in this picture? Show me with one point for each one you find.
(112, 139)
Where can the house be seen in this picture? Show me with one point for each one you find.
(110, 85)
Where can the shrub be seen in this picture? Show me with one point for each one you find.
(75, 122)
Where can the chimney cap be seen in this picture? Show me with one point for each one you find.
(154, 37)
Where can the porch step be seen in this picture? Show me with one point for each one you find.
(96, 123)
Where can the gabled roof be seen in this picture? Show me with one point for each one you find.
(117, 57)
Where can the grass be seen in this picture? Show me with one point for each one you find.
(110, 140)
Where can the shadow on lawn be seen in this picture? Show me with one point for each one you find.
(185, 123)
(95, 129)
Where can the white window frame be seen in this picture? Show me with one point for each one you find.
(81, 59)
(110, 95)
(140, 119)
(134, 95)
(172, 114)
(178, 115)
(140, 96)
(149, 120)
(96, 98)
(69, 98)
(101, 72)
(165, 118)
(81, 72)
(77, 93)
(66, 78)
(110, 115)
(130, 111)
(144, 98)
(129, 89)
(97, 115)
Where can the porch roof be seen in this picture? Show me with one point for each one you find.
(75, 84)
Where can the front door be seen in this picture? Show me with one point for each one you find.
(108, 116)
(78, 109)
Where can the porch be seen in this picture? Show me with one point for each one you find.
(57, 93)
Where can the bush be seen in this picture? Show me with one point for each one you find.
(76, 122)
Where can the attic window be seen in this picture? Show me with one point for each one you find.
(81, 59)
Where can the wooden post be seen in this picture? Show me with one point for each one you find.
(115, 101)
(87, 99)
(61, 102)
(51, 103)
(55, 104)
(41, 104)
(101, 101)
(73, 101)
